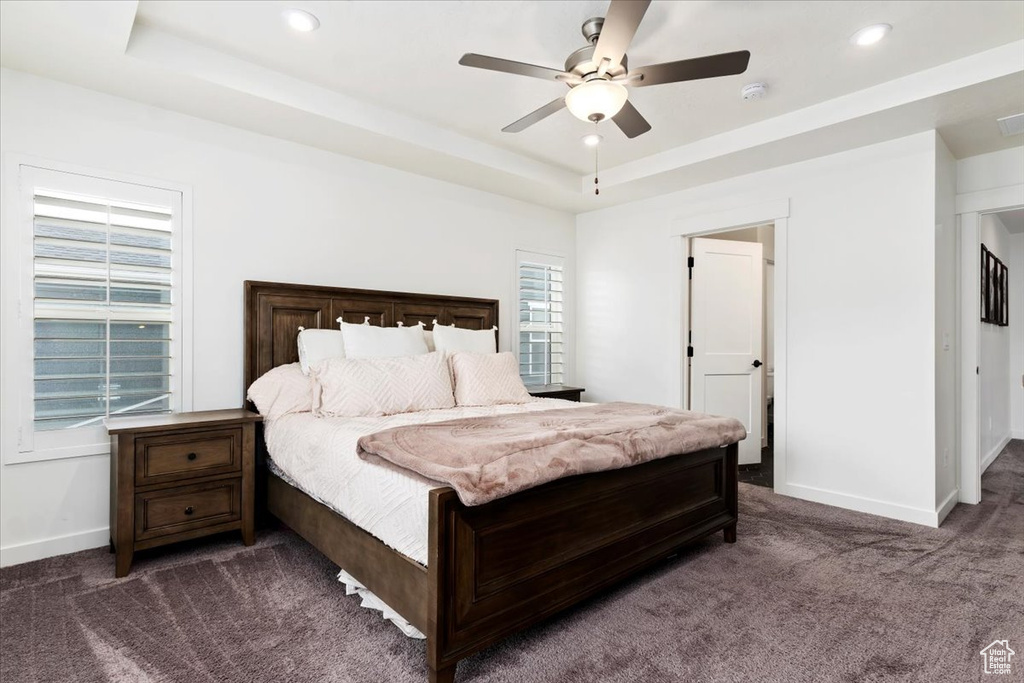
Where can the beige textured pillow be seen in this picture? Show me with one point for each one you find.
(370, 387)
(283, 390)
(487, 379)
(451, 339)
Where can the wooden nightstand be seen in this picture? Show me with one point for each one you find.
(180, 476)
(557, 391)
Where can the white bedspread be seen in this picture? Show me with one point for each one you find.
(319, 456)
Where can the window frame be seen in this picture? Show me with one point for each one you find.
(555, 261)
(22, 443)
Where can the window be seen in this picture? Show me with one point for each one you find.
(101, 305)
(541, 322)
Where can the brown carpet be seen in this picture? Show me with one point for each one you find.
(809, 593)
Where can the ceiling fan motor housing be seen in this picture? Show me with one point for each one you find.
(581, 63)
(592, 29)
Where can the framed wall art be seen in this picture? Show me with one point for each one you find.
(995, 284)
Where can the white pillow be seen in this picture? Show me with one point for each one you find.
(318, 345)
(281, 391)
(487, 379)
(452, 339)
(368, 341)
(369, 387)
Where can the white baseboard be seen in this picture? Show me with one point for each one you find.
(987, 460)
(947, 506)
(871, 506)
(1017, 434)
(49, 547)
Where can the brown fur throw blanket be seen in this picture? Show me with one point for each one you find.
(485, 458)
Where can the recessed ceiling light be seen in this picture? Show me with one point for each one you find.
(869, 35)
(301, 20)
(592, 140)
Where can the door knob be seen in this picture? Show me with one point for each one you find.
(757, 364)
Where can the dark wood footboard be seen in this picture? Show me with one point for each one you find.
(497, 568)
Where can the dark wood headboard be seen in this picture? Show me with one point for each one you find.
(275, 311)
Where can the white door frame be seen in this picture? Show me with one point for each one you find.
(969, 208)
(776, 212)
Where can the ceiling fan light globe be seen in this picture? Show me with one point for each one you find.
(596, 99)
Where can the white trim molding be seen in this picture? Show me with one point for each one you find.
(946, 506)
(871, 506)
(990, 457)
(969, 476)
(51, 547)
(987, 201)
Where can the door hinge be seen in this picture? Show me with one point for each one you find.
(689, 352)
(689, 264)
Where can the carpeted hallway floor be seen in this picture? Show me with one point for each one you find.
(809, 593)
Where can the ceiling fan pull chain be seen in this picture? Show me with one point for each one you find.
(597, 190)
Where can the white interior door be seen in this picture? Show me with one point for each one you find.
(726, 334)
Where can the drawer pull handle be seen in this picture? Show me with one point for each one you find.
(189, 510)
(192, 456)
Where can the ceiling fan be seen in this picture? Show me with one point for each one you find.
(598, 73)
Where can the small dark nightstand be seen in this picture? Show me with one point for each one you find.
(557, 391)
(180, 476)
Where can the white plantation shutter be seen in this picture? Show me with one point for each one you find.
(541, 318)
(103, 298)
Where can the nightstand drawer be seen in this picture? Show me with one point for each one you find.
(183, 508)
(171, 457)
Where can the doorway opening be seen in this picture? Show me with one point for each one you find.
(991, 367)
(998, 353)
(730, 350)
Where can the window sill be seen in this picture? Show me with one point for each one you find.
(62, 453)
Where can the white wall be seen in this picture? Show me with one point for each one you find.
(860, 316)
(1016, 267)
(988, 171)
(994, 357)
(946, 294)
(263, 209)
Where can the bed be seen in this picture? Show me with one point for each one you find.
(496, 568)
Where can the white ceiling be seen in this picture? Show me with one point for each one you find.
(380, 81)
(404, 56)
(1013, 220)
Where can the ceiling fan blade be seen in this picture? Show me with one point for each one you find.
(727, 64)
(510, 67)
(630, 121)
(535, 116)
(620, 24)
